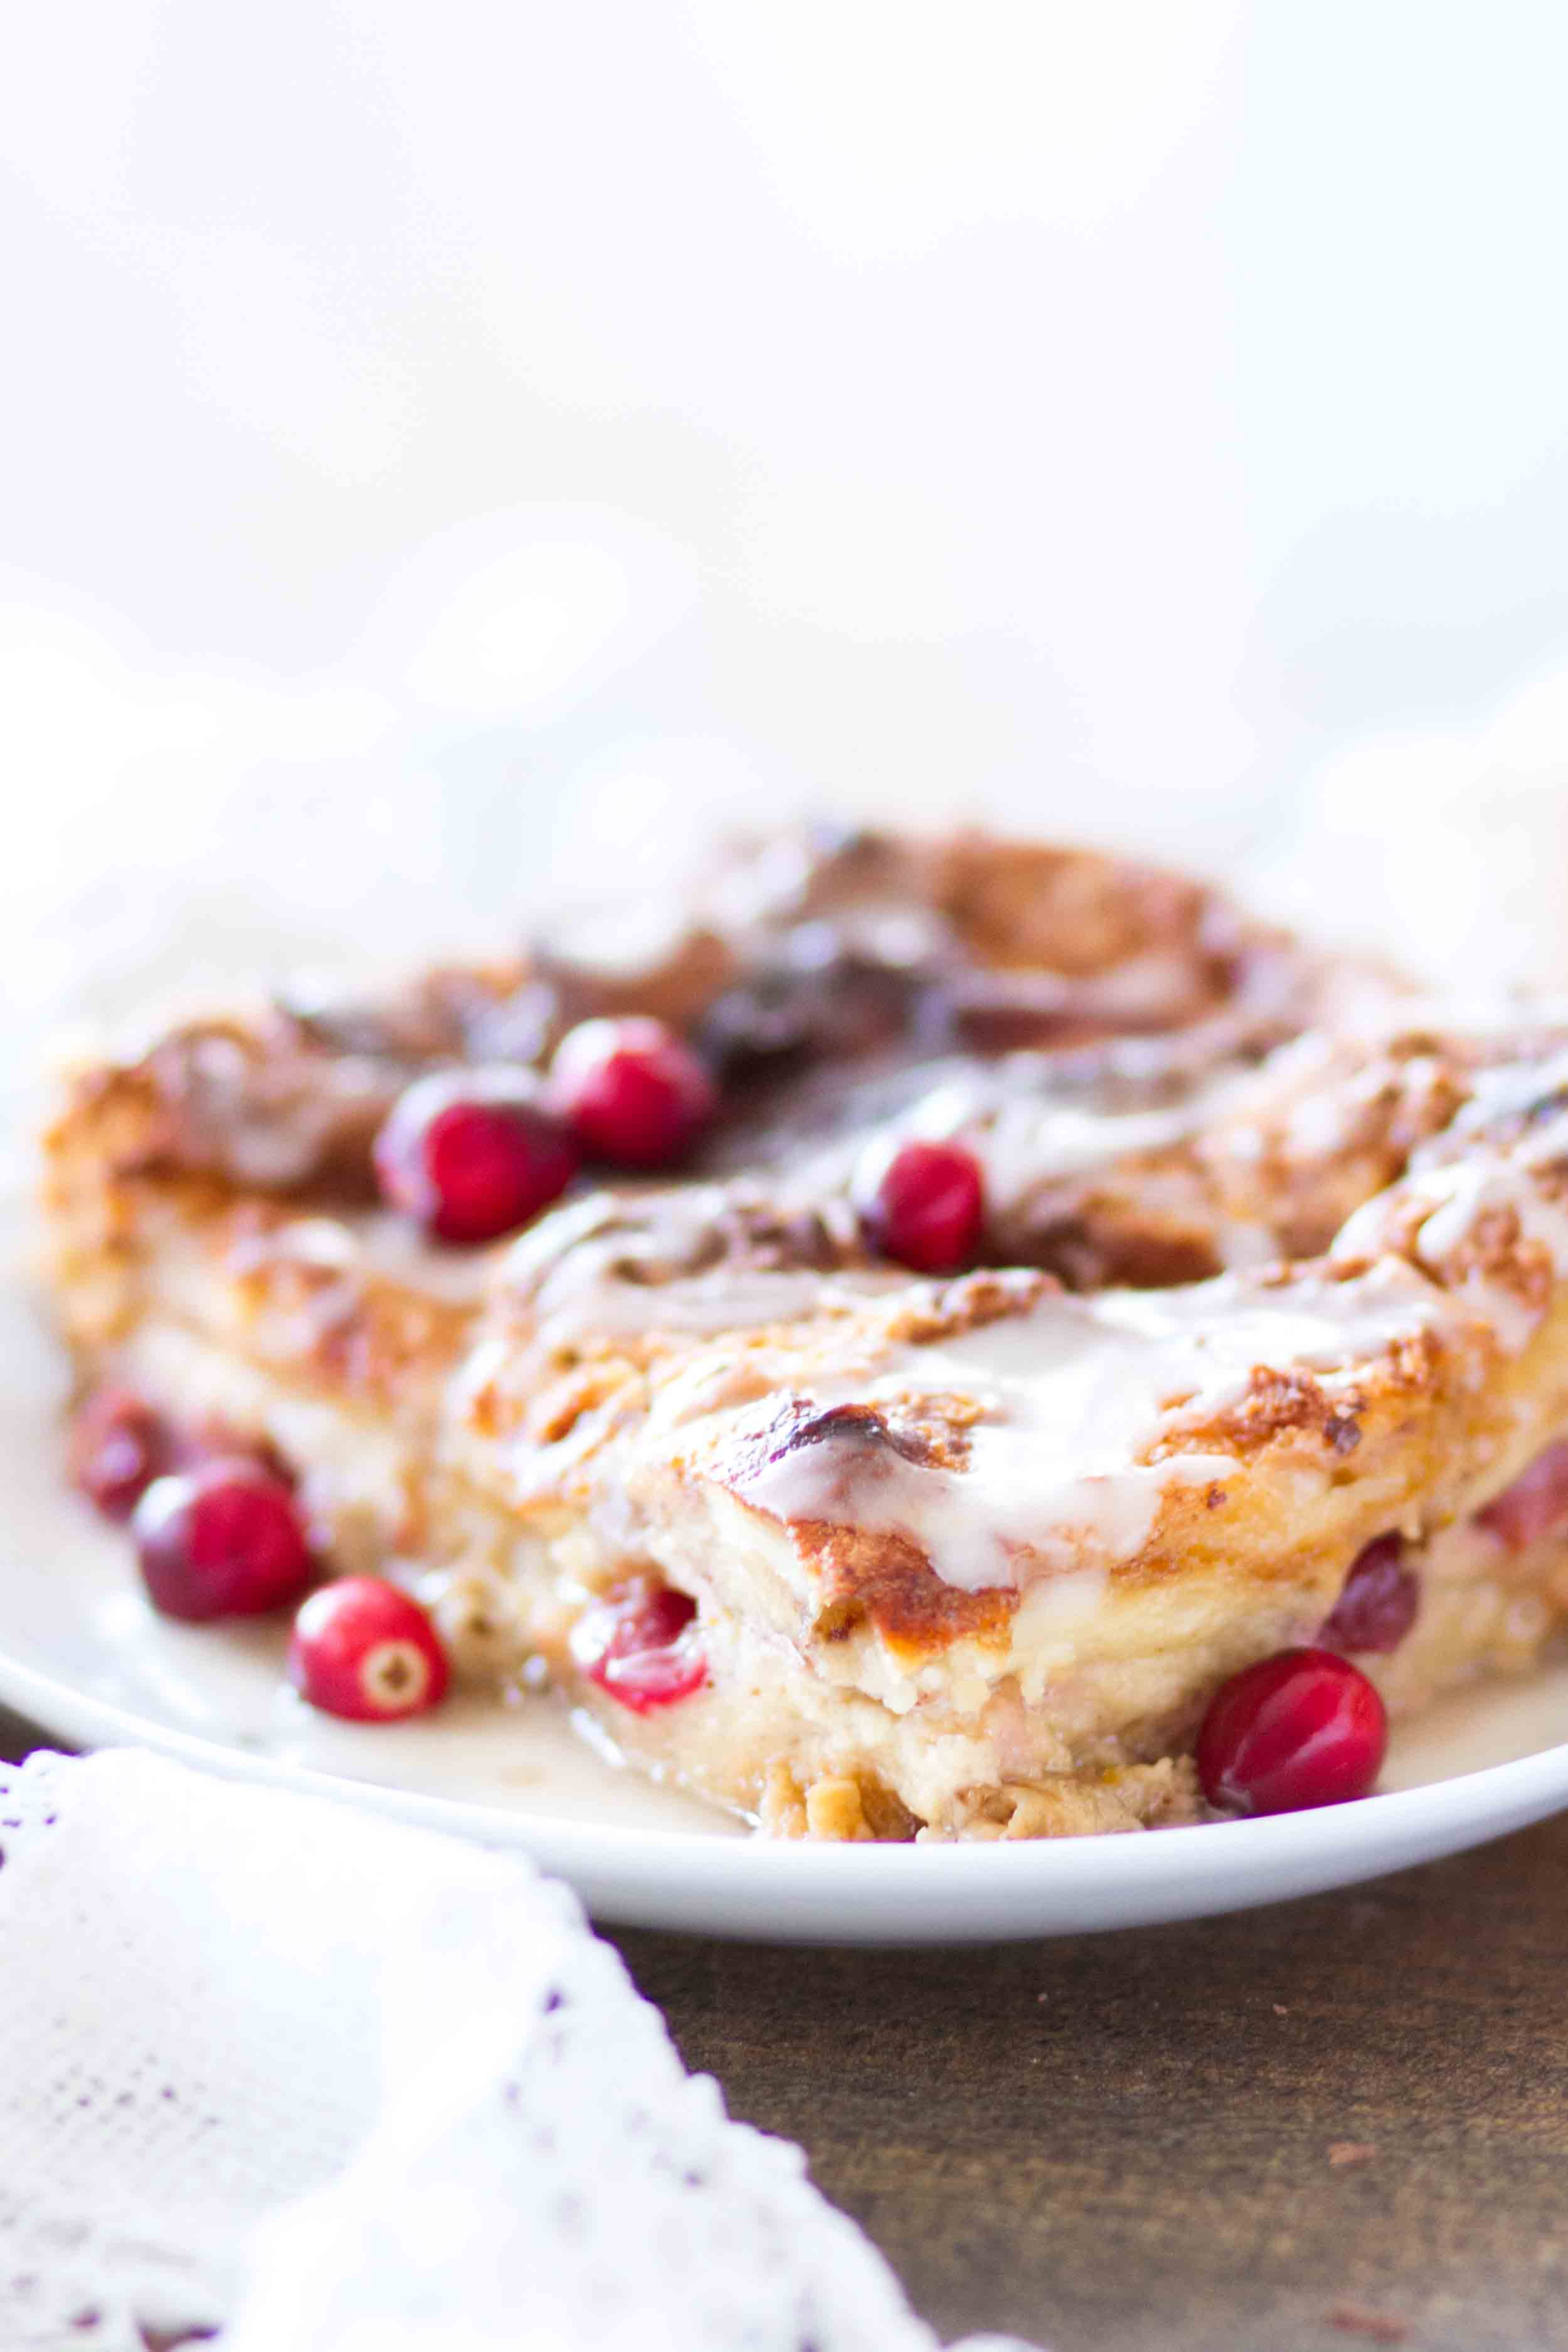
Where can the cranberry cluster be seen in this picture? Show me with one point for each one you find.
(1305, 1726)
(473, 1154)
(219, 1532)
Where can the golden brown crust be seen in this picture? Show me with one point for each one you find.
(1070, 910)
(839, 943)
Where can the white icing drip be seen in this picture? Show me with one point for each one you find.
(1465, 1192)
(374, 1244)
(576, 1246)
(970, 1524)
(1074, 1395)
(1494, 1176)
(594, 1268)
(263, 1142)
(1469, 1190)
(1239, 1245)
(393, 1247)
(723, 1299)
(623, 941)
(1547, 1146)
(1021, 1144)
(1023, 1134)
(1509, 1089)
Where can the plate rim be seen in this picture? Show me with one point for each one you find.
(647, 1875)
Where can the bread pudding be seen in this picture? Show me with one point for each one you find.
(907, 1341)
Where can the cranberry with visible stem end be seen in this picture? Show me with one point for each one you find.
(118, 1445)
(1378, 1603)
(923, 1205)
(224, 1539)
(362, 1648)
(639, 1645)
(632, 1091)
(1301, 1728)
(473, 1154)
(1535, 1502)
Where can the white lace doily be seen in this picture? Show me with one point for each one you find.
(280, 2067)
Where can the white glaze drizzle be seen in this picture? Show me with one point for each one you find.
(261, 1140)
(1467, 1190)
(1074, 1395)
(1022, 1143)
(698, 1304)
(1023, 1133)
(393, 1247)
(615, 1266)
(1455, 1194)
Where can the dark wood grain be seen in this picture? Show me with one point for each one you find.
(1278, 2133)
(1159, 2139)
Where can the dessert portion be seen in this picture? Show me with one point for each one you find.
(939, 1340)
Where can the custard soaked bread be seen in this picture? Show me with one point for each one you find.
(953, 1309)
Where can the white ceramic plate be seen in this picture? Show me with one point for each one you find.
(81, 1654)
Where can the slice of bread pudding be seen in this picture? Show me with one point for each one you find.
(867, 1506)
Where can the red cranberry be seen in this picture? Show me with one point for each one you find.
(638, 1644)
(632, 1091)
(118, 1446)
(1377, 1606)
(226, 1540)
(362, 1648)
(1535, 1504)
(924, 1206)
(1303, 1728)
(473, 1154)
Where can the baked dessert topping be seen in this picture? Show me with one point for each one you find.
(1299, 1730)
(639, 1645)
(362, 1648)
(474, 1153)
(632, 1092)
(118, 1446)
(224, 1539)
(1057, 1298)
(921, 1203)
(1379, 1601)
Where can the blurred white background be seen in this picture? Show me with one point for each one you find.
(450, 447)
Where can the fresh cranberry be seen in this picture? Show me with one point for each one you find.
(1377, 1606)
(362, 1648)
(638, 1644)
(473, 1154)
(1303, 1728)
(632, 1091)
(118, 1446)
(1535, 1504)
(924, 1206)
(226, 1540)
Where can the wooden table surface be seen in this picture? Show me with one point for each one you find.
(1337, 2122)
